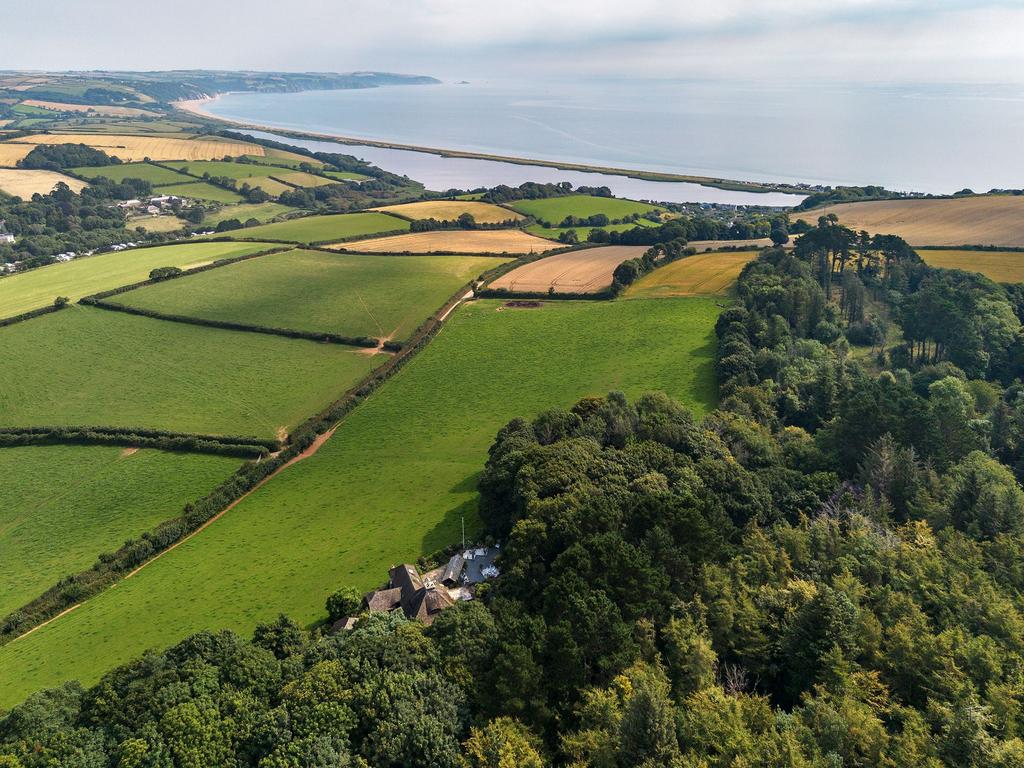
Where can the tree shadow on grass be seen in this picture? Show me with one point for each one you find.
(448, 530)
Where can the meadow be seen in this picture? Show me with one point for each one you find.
(555, 209)
(704, 274)
(62, 505)
(346, 176)
(1001, 266)
(86, 366)
(394, 481)
(25, 291)
(244, 211)
(453, 241)
(450, 210)
(154, 174)
(200, 190)
(379, 296)
(25, 183)
(971, 220)
(319, 229)
(584, 271)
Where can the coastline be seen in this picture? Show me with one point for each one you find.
(195, 108)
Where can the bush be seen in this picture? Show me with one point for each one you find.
(164, 273)
(345, 602)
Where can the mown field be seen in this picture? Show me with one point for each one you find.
(318, 229)
(154, 174)
(393, 482)
(25, 183)
(973, 220)
(36, 288)
(379, 296)
(555, 209)
(450, 210)
(701, 275)
(453, 241)
(200, 190)
(587, 270)
(61, 506)
(91, 366)
(1001, 266)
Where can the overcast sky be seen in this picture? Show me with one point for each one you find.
(903, 40)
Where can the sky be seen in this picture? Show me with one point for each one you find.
(848, 40)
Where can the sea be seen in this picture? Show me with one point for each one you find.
(931, 138)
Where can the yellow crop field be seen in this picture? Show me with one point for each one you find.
(701, 275)
(24, 183)
(1001, 266)
(131, 148)
(99, 109)
(975, 220)
(453, 241)
(585, 271)
(10, 154)
(302, 179)
(450, 210)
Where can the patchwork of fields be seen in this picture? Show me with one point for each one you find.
(154, 174)
(379, 296)
(90, 366)
(584, 271)
(703, 274)
(60, 506)
(37, 288)
(320, 229)
(129, 148)
(200, 190)
(453, 241)
(394, 481)
(450, 210)
(971, 220)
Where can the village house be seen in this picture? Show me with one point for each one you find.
(6, 238)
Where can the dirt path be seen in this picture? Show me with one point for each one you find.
(313, 448)
(54, 618)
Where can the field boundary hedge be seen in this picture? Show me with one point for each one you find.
(138, 437)
(110, 567)
(31, 314)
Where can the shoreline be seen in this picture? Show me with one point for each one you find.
(195, 108)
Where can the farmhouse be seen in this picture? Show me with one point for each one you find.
(5, 236)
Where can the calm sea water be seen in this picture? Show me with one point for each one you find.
(928, 138)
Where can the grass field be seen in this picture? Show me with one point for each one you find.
(92, 366)
(705, 274)
(974, 220)
(245, 211)
(584, 271)
(454, 241)
(1001, 266)
(82, 277)
(200, 190)
(380, 296)
(555, 209)
(347, 176)
(61, 506)
(158, 223)
(253, 175)
(25, 183)
(450, 210)
(154, 174)
(155, 148)
(99, 109)
(393, 482)
(553, 233)
(319, 229)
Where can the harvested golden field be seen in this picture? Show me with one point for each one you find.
(132, 148)
(99, 109)
(585, 271)
(450, 210)
(25, 183)
(453, 241)
(11, 153)
(705, 274)
(1001, 266)
(975, 220)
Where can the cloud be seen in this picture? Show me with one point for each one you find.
(841, 39)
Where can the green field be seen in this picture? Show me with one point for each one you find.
(555, 209)
(379, 296)
(85, 366)
(83, 277)
(346, 176)
(61, 506)
(245, 211)
(552, 233)
(392, 483)
(200, 190)
(154, 174)
(323, 229)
